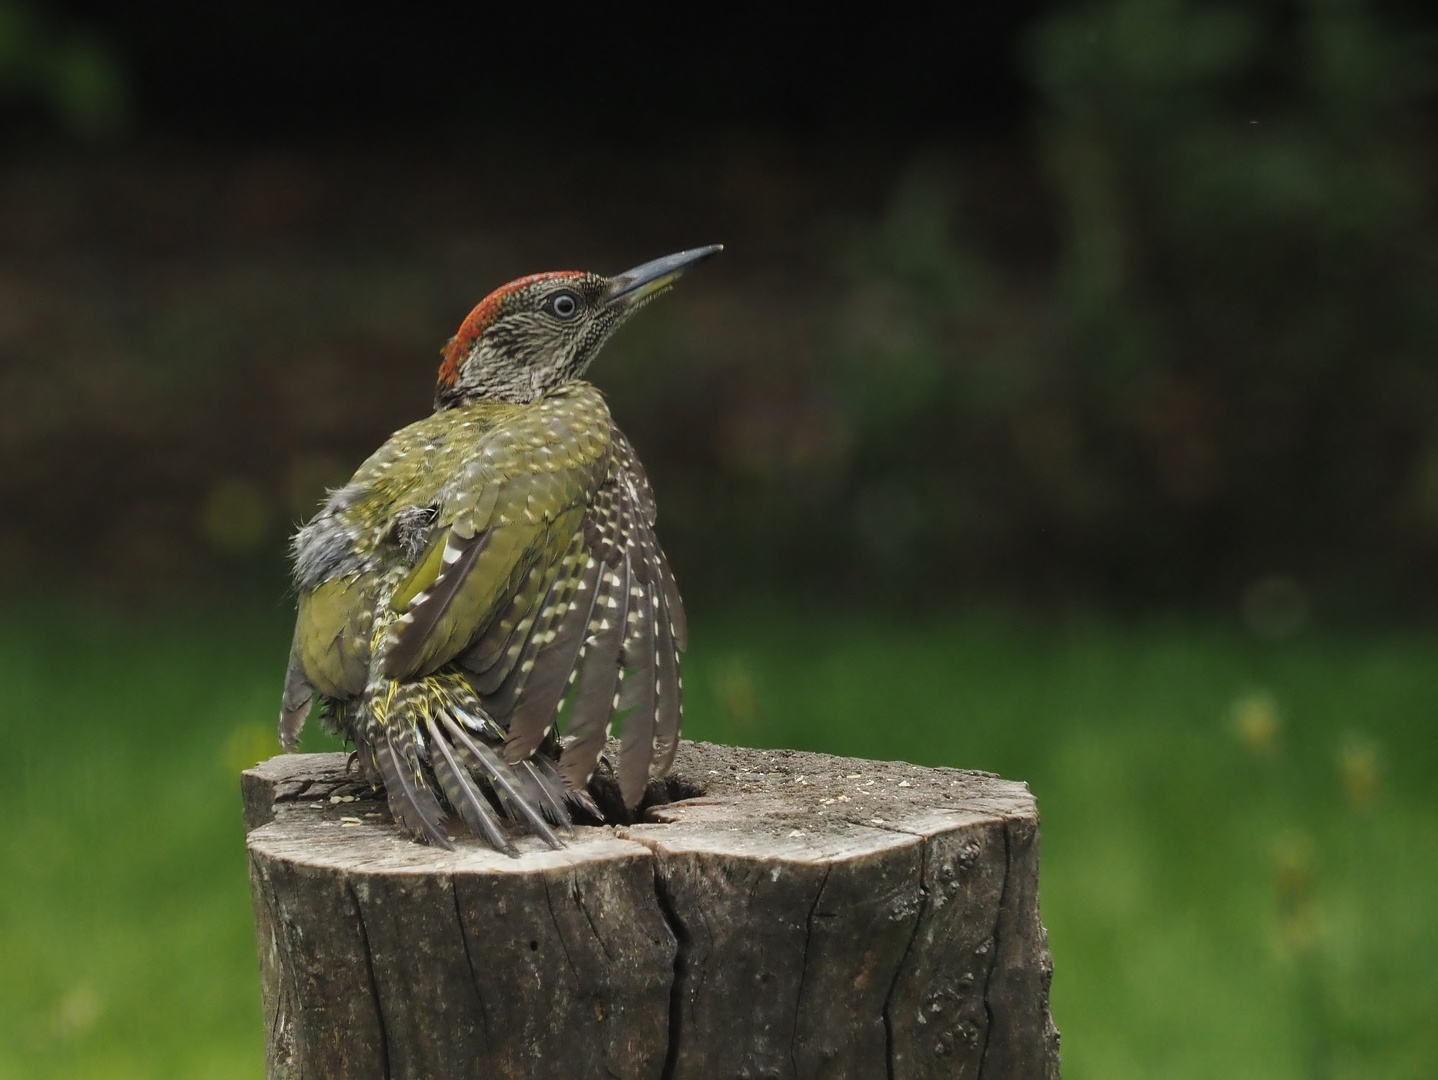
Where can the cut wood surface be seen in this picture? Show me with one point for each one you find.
(770, 914)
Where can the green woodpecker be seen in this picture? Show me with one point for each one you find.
(494, 564)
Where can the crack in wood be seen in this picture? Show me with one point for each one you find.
(469, 961)
(294, 794)
(386, 1063)
(559, 933)
(924, 856)
(584, 910)
(679, 973)
(804, 964)
(994, 949)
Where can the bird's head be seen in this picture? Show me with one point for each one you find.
(537, 333)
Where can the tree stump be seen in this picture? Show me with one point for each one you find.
(768, 914)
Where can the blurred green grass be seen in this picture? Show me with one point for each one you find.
(1240, 838)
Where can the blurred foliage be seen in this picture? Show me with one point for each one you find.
(1240, 838)
(1229, 370)
(72, 71)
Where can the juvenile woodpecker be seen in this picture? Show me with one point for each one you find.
(494, 564)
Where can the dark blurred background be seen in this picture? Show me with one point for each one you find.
(1129, 303)
(1065, 403)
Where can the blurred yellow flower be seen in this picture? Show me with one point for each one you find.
(1293, 880)
(1358, 771)
(1257, 723)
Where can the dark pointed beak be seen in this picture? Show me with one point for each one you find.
(633, 287)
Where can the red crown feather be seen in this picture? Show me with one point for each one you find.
(479, 320)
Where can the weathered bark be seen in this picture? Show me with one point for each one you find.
(770, 914)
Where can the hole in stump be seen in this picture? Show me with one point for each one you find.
(604, 788)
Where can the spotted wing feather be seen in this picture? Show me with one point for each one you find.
(534, 713)
(674, 603)
(669, 709)
(628, 663)
(638, 695)
(544, 628)
(597, 676)
(431, 604)
(491, 658)
(627, 463)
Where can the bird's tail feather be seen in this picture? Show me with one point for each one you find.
(460, 790)
(295, 703)
(431, 738)
(488, 762)
(546, 775)
(410, 799)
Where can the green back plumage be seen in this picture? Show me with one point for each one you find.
(517, 476)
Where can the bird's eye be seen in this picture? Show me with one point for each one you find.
(563, 304)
